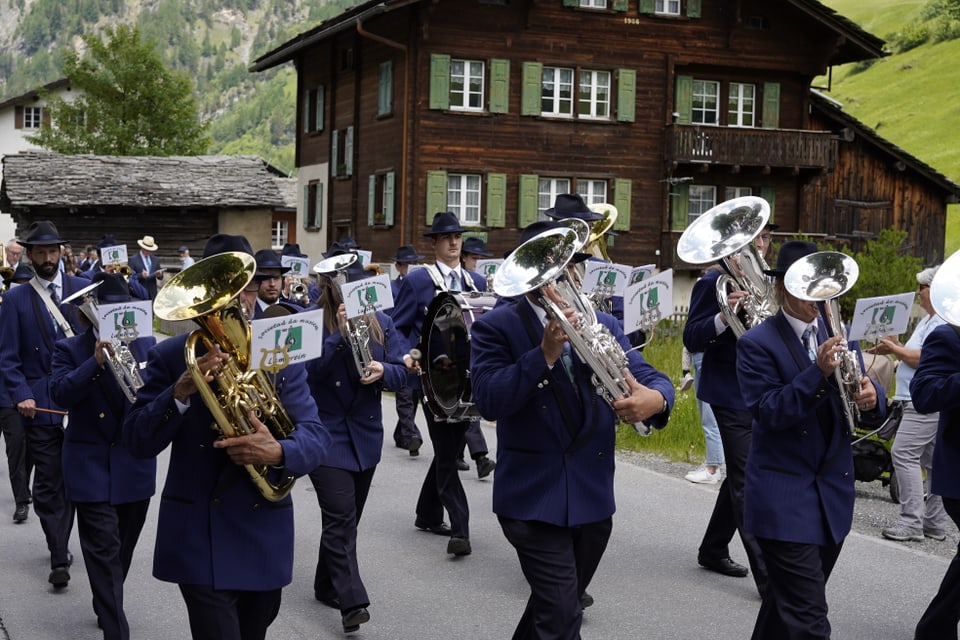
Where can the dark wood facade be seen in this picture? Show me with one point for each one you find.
(381, 169)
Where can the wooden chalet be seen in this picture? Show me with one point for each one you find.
(664, 108)
(179, 200)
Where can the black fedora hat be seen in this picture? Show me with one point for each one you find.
(292, 249)
(107, 240)
(444, 222)
(476, 246)
(113, 289)
(571, 205)
(347, 242)
(41, 232)
(268, 259)
(790, 252)
(223, 242)
(23, 273)
(407, 253)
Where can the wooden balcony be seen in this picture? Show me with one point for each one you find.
(768, 148)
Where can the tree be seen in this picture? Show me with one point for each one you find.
(130, 104)
(885, 268)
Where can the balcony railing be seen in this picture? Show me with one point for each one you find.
(751, 147)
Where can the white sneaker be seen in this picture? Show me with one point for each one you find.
(703, 476)
(686, 383)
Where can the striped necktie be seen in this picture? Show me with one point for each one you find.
(808, 343)
(454, 281)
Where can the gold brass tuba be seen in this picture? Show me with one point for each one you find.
(535, 267)
(358, 329)
(726, 233)
(597, 244)
(207, 292)
(823, 277)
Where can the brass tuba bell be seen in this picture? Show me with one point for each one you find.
(207, 292)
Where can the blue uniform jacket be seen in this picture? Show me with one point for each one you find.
(547, 469)
(936, 387)
(97, 467)
(351, 411)
(416, 292)
(799, 476)
(719, 384)
(214, 527)
(27, 338)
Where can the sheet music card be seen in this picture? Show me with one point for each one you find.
(116, 254)
(882, 316)
(610, 277)
(125, 321)
(367, 295)
(276, 343)
(647, 302)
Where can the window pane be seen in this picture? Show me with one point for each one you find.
(741, 105)
(466, 84)
(593, 191)
(557, 92)
(702, 198)
(463, 197)
(594, 94)
(669, 7)
(548, 191)
(736, 192)
(706, 96)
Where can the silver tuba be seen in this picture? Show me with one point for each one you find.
(535, 267)
(823, 277)
(725, 233)
(358, 328)
(945, 290)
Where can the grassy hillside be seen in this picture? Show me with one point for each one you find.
(911, 96)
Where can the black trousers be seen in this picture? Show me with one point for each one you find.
(441, 487)
(476, 442)
(108, 536)
(558, 563)
(44, 446)
(407, 400)
(341, 495)
(736, 435)
(939, 621)
(18, 463)
(229, 615)
(795, 603)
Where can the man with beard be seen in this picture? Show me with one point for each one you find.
(31, 322)
(269, 277)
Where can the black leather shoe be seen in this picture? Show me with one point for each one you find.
(586, 600)
(725, 566)
(459, 547)
(414, 446)
(441, 529)
(59, 577)
(333, 603)
(353, 619)
(485, 466)
(462, 465)
(20, 515)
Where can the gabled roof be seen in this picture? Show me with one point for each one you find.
(857, 45)
(832, 110)
(33, 94)
(52, 180)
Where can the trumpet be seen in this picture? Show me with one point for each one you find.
(358, 328)
(823, 277)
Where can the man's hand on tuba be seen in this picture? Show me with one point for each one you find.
(185, 387)
(866, 398)
(259, 447)
(642, 403)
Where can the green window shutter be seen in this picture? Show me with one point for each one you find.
(385, 91)
(496, 200)
(648, 6)
(620, 5)
(529, 189)
(348, 152)
(683, 101)
(693, 8)
(771, 105)
(307, 99)
(318, 206)
(318, 124)
(371, 199)
(622, 194)
(679, 207)
(439, 81)
(334, 152)
(306, 206)
(626, 95)
(436, 194)
(530, 95)
(770, 195)
(388, 197)
(571, 3)
(499, 86)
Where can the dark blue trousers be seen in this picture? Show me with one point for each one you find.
(407, 399)
(939, 621)
(441, 487)
(18, 463)
(44, 446)
(229, 614)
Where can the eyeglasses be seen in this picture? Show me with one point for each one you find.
(923, 286)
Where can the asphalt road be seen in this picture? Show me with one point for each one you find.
(648, 586)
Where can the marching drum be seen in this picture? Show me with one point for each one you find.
(445, 349)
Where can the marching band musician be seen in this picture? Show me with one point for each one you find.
(350, 408)
(799, 488)
(553, 492)
(406, 434)
(30, 325)
(229, 549)
(269, 277)
(707, 332)
(109, 487)
(441, 487)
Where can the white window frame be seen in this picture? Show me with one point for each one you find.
(547, 192)
(741, 107)
(279, 233)
(667, 7)
(729, 193)
(464, 197)
(593, 100)
(701, 109)
(592, 191)
(32, 117)
(467, 79)
(701, 198)
(556, 93)
(593, 4)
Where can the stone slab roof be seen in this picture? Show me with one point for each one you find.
(39, 179)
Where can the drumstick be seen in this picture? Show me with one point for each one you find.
(54, 411)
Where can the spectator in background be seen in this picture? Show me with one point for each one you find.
(709, 472)
(12, 253)
(145, 266)
(185, 259)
